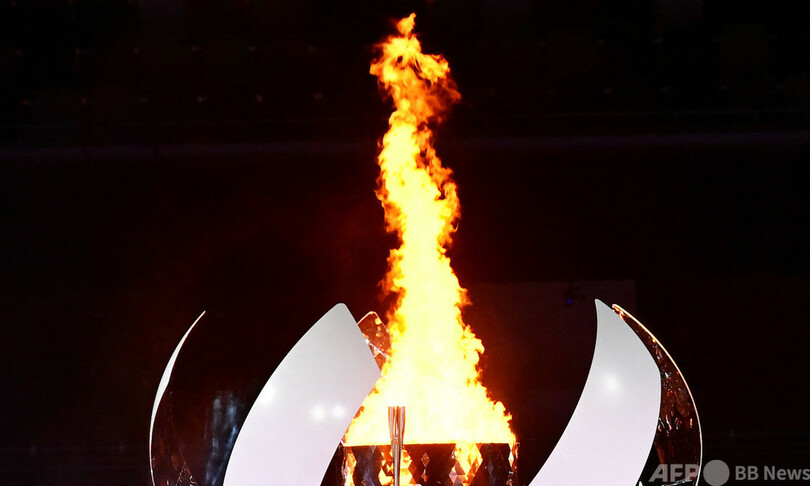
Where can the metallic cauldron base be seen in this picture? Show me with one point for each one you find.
(460, 464)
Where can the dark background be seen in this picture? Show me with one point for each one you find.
(161, 158)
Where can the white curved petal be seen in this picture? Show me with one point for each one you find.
(164, 383)
(296, 423)
(611, 431)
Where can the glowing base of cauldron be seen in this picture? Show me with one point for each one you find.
(459, 464)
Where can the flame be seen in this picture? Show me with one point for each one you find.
(349, 463)
(468, 459)
(432, 367)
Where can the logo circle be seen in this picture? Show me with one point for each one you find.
(716, 472)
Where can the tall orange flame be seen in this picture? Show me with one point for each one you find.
(432, 367)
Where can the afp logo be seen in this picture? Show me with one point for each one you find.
(673, 474)
(717, 473)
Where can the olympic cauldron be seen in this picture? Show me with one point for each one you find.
(635, 412)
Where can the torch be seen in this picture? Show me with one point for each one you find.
(396, 427)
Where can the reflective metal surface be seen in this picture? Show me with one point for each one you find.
(460, 464)
(166, 461)
(377, 337)
(678, 438)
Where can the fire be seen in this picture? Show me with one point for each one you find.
(432, 367)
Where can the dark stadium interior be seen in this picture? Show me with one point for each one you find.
(160, 158)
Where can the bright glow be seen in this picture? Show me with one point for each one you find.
(469, 459)
(267, 397)
(318, 413)
(612, 383)
(338, 411)
(432, 368)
